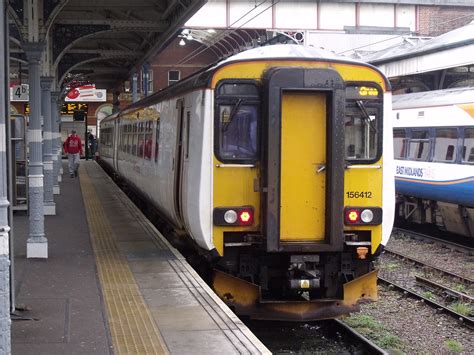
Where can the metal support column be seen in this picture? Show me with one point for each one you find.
(134, 87)
(37, 244)
(5, 335)
(49, 205)
(116, 102)
(56, 142)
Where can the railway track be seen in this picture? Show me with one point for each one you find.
(441, 293)
(446, 243)
(365, 345)
(466, 320)
(415, 261)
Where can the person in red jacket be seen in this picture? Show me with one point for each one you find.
(73, 149)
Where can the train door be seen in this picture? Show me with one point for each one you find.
(117, 142)
(304, 160)
(178, 159)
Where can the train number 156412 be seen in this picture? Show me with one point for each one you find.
(359, 194)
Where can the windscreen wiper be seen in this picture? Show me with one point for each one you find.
(366, 115)
(232, 113)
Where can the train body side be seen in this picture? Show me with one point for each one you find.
(434, 158)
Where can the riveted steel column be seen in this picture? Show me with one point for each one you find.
(49, 205)
(56, 141)
(5, 337)
(37, 244)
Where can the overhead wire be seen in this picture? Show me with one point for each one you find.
(228, 31)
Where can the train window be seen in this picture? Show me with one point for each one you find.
(362, 123)
(399, 143)
(148, 140)
(468, 146)
(157, 139)
(134, 143)
(237, 120)
(445, 141)
(419, 148)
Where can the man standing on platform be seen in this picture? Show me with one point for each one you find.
(73, 149)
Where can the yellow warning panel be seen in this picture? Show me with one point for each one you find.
(132, 327)
(303, 162)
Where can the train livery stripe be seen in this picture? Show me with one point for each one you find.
(432, 182)
(459, 192)
(131, 324)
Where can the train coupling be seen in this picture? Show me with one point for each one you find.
(304, 273)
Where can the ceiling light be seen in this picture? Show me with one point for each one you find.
(211, 30)
(189, 37)
(182, 42)
(185, 31)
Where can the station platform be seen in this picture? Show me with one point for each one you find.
(113, 285)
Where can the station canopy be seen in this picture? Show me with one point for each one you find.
(97, 41)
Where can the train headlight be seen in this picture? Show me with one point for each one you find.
(233, 216)
(362, 215)
(367, 216)
(230, 216)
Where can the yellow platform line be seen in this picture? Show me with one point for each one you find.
(132, 327)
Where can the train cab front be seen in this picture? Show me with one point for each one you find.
(301, 218)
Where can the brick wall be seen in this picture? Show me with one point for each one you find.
(171, 59)
(436, 20)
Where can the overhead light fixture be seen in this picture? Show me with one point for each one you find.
(189, 37)
(182, 42)
(211, 30)
(185, 31)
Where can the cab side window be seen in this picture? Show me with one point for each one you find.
(237, 120)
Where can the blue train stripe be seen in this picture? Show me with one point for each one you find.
(460, 191)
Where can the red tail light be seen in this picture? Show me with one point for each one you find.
(233, 216)
(352, 216)
(362, 215)
(246, 217)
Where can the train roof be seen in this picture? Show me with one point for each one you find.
(273, 52)
(445, 97)
(287, 51)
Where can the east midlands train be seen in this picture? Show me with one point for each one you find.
(278, 164)
(434, 158)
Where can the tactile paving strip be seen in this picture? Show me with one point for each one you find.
(131, 324)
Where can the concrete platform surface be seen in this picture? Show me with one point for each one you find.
(113, 285)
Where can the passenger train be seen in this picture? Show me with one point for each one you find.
(434, 157)
(278, 164)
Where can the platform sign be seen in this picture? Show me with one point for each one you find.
(20, 93)
(86, 93)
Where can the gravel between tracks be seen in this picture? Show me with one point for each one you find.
(434, 254)
(419, 326)
(421, 329)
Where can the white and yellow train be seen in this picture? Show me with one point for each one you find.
(277, 162)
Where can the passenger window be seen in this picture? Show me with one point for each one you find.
(468, 145)
(445, 141)
(237, 121)
(419, 148)
(157, 139)
(148, 140)
(399, 144)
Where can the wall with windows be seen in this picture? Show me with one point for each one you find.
(178, 62)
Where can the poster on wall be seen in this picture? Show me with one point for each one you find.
(86, 93)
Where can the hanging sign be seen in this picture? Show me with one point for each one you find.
(86, 93)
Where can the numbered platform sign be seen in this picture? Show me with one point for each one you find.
(19, 92)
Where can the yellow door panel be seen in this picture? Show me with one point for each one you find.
(303, 152)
